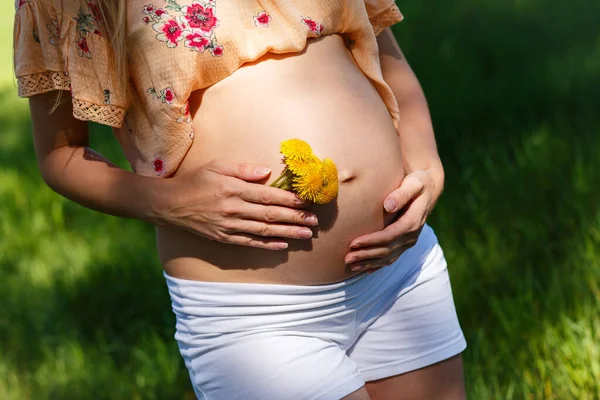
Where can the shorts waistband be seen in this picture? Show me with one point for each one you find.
(268, 294)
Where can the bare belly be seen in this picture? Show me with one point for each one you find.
(322, 97)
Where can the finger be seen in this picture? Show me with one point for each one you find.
(408, 236)
(272, 196)
(258, 242)
(365, 266)
(410, 187)
(377, 252)
(269, 230)
(246, 172)
(280, 215)
(376, 263)
(409, 225)
(384, 237)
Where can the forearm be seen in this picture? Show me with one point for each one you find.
(87, 178)
(75, 171)
(416, 135)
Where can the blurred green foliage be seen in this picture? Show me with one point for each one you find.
(514, 90)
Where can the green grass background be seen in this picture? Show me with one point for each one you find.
(514, 90)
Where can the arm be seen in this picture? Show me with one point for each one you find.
(214, 200)
(417, 139)
(75, 171)
(424, 175)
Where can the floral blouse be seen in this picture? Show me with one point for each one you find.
(175, 48)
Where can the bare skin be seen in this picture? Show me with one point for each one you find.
(351, 125)
(441, 381)
(199, 228)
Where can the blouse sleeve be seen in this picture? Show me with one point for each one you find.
(54, 50)
(382, 14)
(39, 64)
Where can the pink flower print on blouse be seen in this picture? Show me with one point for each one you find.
(54, 32)
(154, 12)
(167, 95)
(22, 3)
(83, 48)
(313, 26)
(149, 9)
(262, 19)
(106, 94)
(197, 16)
(195, 24)
(216, 51)
(196, 41)
(169, 32)
(158, 164)
(95, 11)
(86, 24)
(185, 114)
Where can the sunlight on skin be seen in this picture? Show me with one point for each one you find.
(520, 234)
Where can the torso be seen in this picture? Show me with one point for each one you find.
(322, 97)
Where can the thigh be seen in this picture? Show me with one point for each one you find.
(418, 330)
(272, 365)
(440, 381)
(360, 394)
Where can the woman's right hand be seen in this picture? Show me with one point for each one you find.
(219, 202)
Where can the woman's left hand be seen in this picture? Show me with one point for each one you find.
(414, 199)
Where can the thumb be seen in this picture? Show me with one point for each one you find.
(410, 187)
(246, 172)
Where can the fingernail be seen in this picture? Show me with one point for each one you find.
(298, 200)
(282, 246)
(389, 205)
(261, 170)
(311, 219)
(305, 233)
(355, 245)
(357, 268)
(351, 260)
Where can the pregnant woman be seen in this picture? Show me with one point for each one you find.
(274, 298)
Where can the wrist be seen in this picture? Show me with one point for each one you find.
(435, 172)
(154, 193)
(437, 176)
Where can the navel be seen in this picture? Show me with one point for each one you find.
(346, 176)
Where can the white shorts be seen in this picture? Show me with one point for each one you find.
(269, 341)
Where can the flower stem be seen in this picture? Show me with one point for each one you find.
(281, 180)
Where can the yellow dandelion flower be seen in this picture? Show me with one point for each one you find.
(297, 165)
(329, 171)
(305, 174)
(296, 150)
(308, 183)
(329, 190)
(327, 194)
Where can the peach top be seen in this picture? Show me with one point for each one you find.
(177, 47)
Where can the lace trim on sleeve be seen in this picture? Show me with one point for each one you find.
(106, 114)
(386, 18)
(47, 81)
(43, 82)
